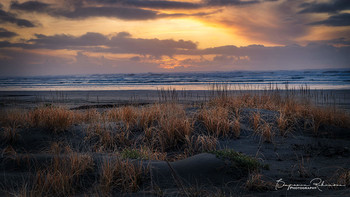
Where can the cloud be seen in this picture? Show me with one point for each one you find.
(293, 56)
(269, 23)
(125, 10)
(63, 41)
(26, 63)
(7, 17)
(78, 11)
(329, 7)
(154, 4)
(229, 2)
(19, 62)
(342, 41)
(122, 9)
(154, 47)
(121, 43)
(4, 33)
(162, 4)
(335, 20)
(30, 6)
(117, 12)
(152, 55)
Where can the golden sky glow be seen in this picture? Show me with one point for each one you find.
(176, 35)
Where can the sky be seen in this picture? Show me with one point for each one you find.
(62, 37)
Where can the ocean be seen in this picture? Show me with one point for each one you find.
(327, 79)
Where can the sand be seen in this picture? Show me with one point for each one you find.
(339, 98)
(297, 158)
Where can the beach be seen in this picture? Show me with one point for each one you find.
(170, 142)
(331, 97)
(205, 98)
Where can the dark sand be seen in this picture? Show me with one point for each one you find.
(297, 158)
(338, 98)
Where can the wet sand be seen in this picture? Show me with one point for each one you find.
(338, 98)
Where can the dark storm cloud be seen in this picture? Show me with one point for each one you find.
(162, 4)
(337, 41)
(30, 6)
(336, 20)
(176, 4)
(329, 7)
(312, 56)
(154, 4)
(122, 9)
(67, 41)
(7, 17)
(4, 44)
(121, 43)
(36, 5)
(78, 11)
(24, 63)
(4, 33)
(81, 12)
(154, 47)
(117, 12)
(342, 41)
(229, 2)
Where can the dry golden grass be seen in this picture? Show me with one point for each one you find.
(237, 128)
(266, 132)
(13, 118)
(152, 154)
(200, 144)
(165, 126)
(282, 123)
(140, 118)
(327, 116)
(11, 122)
(292, 109)
(256, 119)
(318, 116)
(61, 178)
(170, 127)
(174, 126)
(216, 121)
(56, 119)
(128, 115)
(122, 175)
(104, 138)
(143, 152)
(301, 167)
(88, 116)
(256, 183)
(343, 177)
(149, 116)
(9, 152)
(9, 134)
(150, 132)
(57, 148)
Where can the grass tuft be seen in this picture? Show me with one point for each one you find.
(200, 144)
(56, 119)
(121, 175)
(216, 121)
(256, 183)
(239, 160)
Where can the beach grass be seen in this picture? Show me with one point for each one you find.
(167, 130)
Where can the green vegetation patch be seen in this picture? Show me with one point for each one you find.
(133, 154)
(240, 160)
